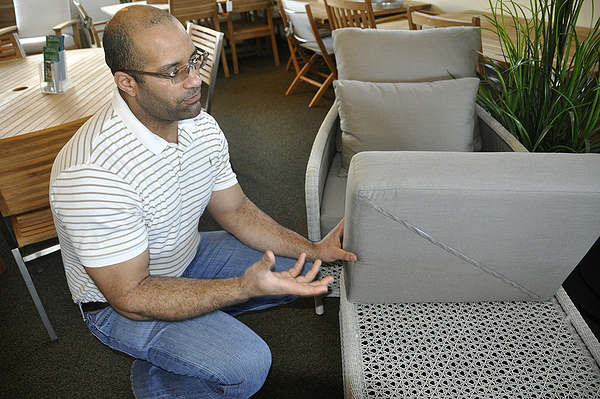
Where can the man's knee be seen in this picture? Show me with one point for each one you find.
(246, 371)
(235, 375)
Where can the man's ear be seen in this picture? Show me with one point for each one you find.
(126, 83)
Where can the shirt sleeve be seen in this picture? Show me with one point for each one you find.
(226, 177)
(101, 215)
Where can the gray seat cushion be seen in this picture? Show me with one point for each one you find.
(466, 226)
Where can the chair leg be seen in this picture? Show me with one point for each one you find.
(319, 308)
(275, 52)
(293, 60)
(322, 89)
(236, 68)
(224, 62)
(302, 72)
(34, 294)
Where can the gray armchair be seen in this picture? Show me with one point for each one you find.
(463, 238)
(390, 72)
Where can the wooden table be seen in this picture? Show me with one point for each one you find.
(320, 14)
(24, 108)
(112, 9)
(489, 38)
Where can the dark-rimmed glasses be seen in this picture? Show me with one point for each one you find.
(178, 75)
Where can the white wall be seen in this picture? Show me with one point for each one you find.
(585, 19)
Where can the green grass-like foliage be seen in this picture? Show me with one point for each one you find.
(547, 92)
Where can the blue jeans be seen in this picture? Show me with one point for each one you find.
(209, 356)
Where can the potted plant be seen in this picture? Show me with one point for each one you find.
(547, 92)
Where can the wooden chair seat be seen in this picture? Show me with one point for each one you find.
(244, 30)
(34, 227)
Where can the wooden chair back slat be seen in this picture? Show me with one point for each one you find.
(33, 227)
(417, 20)
(350, 14)
(195, 10)
(251, 5)
(210, 41)
(10, 47)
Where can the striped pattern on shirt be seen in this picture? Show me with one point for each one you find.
(112, 196)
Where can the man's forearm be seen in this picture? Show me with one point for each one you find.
(258, 230)
(177, 298)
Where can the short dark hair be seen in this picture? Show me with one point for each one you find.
(120, 51)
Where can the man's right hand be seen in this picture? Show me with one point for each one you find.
(260, 280)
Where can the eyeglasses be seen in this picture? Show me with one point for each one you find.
(178, 75)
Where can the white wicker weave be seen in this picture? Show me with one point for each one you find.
(468, 350)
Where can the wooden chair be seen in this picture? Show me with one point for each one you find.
(10, 47)
(200, 12)
(304, 34)
(25, 165)
(418, 19)
(93, 28)
(350, 14)
(210, 41)
(256, 22)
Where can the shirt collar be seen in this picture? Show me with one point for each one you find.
(153, 142)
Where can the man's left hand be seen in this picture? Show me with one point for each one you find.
(330, 249)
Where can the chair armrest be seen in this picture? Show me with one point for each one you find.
(66, 24)
(319, 162)
(8, 29)
(75, 24)
(495, 137)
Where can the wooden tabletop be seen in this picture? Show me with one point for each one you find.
(24, 108)
(489, 39)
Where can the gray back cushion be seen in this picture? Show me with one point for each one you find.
(425, 116)
(374, 55)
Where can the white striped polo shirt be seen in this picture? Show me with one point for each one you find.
(116, 189)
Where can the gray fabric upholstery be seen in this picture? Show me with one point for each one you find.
(426, 116)
(446, 55)
(460, 227)
(323, 186)
(373, 55)
(332, 207)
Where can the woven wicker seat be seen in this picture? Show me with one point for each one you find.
(468, 350)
